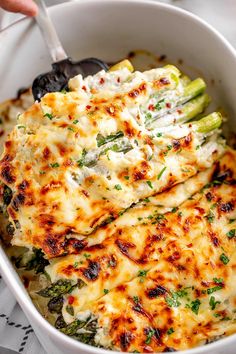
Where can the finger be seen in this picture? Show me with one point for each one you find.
(26, 7)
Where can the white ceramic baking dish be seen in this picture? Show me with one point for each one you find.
(109, 29)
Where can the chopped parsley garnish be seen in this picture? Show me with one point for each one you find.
(172, 302)
(210, 217)
(224, 259)
(174, 210)
(150, 334)
(148, 117)
(173, 299)
(126, 177)
(218, 280)
(48, 115)
(70, 128)
(161, 172)
(142, 274)
(54, 165)
(213, 302)
(160, 104)
(75, 121)
(81, 162)
(147, 200)
(197, 147)
(86, 255)
(118, 187)
(170, 331)
(149, 183)
(195, 306)
(159, 135)
(42, 172)
(215, 288)
(21, 127)
(63, 91)
(106, 291)
(231, 233)
(76, 265)
(136, 299)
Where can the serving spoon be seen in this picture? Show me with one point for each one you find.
(63, 67)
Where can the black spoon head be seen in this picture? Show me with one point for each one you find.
(57, 79)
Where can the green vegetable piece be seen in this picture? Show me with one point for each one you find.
(70, 310)
(55, 304)
(62, 286)
(224, 259)
(150, 334)
(101, 140)
(161, 172)
(213, 303)
(195, 306)
(208, 123)
(215, 288)
(231, 233)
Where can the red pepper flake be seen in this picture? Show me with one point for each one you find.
(118, 79)
(88, 107)
(168, 105)
(189, 245)
(84, 88)
(101, 82)
(164, 81)
(179, 111)
(71, 299)
(151, 107)
(70, 118)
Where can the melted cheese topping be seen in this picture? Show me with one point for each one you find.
(168, 278)
(66, 181)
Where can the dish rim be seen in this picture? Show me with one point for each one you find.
(8, 272)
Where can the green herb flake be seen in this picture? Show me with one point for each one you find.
(76, 265)
(126, 177)
(224, 259)
(106, 291)
(86, 255)
(172, 302)
(54, 165)
(149, 183)
(218, 280)
(150, 334)
(158, 135)
(21, 127)
(75, 121)
(213, 302)
(160, 104)
(161, 172)
(81, 161)
(142, 274)
(136, 299)
(42, 172)
(215, 288)
(174, 210)
(118, 187)
(70, 310)
(71, 129)
(170, 331)
(48, 115)
(210, 217)
(231, 233)
(195, 306)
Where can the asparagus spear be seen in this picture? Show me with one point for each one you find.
(170, 102)
(208, 123)
(183, 113)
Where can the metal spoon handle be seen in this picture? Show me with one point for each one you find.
(49, 33)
